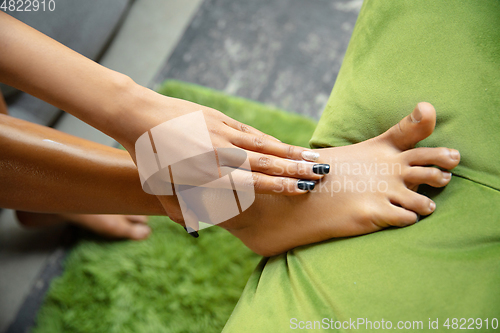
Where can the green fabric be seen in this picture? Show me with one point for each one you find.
(170, 282)
(446, 53)
(447, 265)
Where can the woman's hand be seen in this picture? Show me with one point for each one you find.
(275, 167)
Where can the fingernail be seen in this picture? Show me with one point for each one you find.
(455, 155)
(141, 231)
(192, 232)
(306, 185)
(310, 155)
(321, 169)
(416, 115)
(432, 206)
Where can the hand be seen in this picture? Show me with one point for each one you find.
(275, 167)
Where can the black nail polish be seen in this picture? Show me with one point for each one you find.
(193, 233)
(321, 169)
(306, 185)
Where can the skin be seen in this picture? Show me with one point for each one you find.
(63, 158)
(117, 106)
(275, 224)
(75, 176)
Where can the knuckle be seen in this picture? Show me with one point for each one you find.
(256, 181)
(290, 151)
(407, 174)
(434, 174)
(258, 142)
(244, 128)
(294, 169)
(264, 163)
(284, 185)
(177, 218)
(443, 153)
(399, 128)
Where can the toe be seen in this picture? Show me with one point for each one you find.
(415, 202)
(430, 176)
(122, 227)
(403, 217)
(442, 157)
(413, 128)
(137, 218)
(399, 217)
(139, 231)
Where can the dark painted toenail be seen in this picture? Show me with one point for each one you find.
(455, 155)
(321, 169)
(306, 185)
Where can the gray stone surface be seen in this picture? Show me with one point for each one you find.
(285, 53)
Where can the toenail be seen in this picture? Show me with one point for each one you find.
(446, 175)
(416, 115)
(455, 154)
(432, 206)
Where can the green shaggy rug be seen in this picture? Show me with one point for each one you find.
(170, 282)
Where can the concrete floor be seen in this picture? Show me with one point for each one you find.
(149, 34)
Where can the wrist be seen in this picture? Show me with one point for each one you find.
(139, 109)
(128, 101)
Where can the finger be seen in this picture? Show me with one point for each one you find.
(442, 157)
(413, 128)
(265, 184)
(415, 202)
(172, 208)
(427, 175)
(191, 221)
(234, 124)
(276, 166)
(262, 144)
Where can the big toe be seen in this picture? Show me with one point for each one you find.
(413, 128)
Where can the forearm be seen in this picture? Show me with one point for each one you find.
(45, 170)
(40, 66)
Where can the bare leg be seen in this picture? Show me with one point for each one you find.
(71, 176)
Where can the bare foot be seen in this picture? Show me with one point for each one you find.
(371, 186)
(111, 226)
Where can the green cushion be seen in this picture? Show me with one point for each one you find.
(447, 265)
(446, 53)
